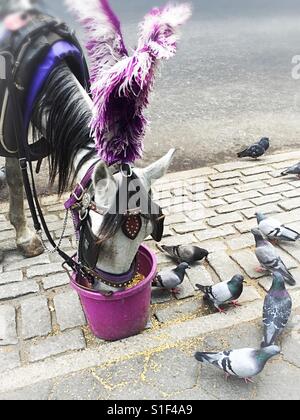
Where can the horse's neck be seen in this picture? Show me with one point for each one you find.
(83, 152)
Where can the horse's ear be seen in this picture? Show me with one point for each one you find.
(104, 184)
(159, 168)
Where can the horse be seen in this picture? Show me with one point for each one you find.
(62, 114)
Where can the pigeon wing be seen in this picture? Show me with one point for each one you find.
(276, 314)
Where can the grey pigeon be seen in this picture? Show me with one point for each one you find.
(2, 177)
(274, 230)
(256, 150)
(225, 292)
(171, 279)
(269, 259)
(185, 253)
(293, 170)
(242, 363)
(277, 310)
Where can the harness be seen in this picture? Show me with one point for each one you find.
(81, 203)
(34, 51)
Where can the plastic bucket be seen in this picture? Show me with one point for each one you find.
(122, 314)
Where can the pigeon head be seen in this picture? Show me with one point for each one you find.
(258, 236)
(238, 279)
(278, 281)
(271, 351)
(265, 143)
(183, 266)
(260, 216)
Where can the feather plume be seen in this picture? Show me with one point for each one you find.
(121, 84)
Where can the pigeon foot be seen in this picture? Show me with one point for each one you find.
(248, 380)
(235, 303)
(175, 291)
(260, 270)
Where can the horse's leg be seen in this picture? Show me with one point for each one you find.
(27, 241)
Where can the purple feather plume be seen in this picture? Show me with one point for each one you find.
(121, 84)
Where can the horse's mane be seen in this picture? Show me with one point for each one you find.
(67, 129)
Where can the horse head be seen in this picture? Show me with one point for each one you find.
(124, 215)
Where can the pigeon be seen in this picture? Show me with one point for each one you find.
(277, 310)
(269, 259)
(293, 170)
(256, 150)
(242, 363)
(171, 279)
(185, 253)
(2, 177)
(274, 230)
(225, 292)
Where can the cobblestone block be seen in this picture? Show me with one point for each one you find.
(236, 165)
(69, 312)
(250, 294)
(55, 280)
(44, 270)
(52, 346)
(8, 328)
(251, 186)
(36, 319)
(266, 282)
(266, 209)
(175, 218)
(234, 198)
(179, 311)
(213, 245)
(224, 219)
(225, 182)
(198, 188)
(226, 175)
(9, 360)
(292, 194)
(229, 208)
(215, 233)
(221, 193)
(180, 240)
(11, 277)
(189, 227)
(200, 275)
(185, 290)
(245, 227)
(248, 261)
(27, 262)
(159, 296)
(289, 217)
(255, 178)
(241, 242)
(291, 204)
(214, 202)
(276, 189)
(256, 170)
(223, 265)
(267, 199)
(200, 214)
(15, 290)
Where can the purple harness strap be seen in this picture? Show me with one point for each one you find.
(58, 51)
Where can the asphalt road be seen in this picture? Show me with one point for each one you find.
(230, 83)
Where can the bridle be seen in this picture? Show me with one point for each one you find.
(82, 204)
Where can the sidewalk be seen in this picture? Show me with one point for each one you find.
(48, 352)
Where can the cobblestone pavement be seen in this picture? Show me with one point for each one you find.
(46, 345)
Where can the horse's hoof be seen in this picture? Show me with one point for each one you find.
(33, 248)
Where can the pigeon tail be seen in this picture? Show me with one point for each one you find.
(205, 357)
(203, 289)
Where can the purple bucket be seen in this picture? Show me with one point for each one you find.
(123, 314)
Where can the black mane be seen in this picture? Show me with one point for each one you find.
(67, 128)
